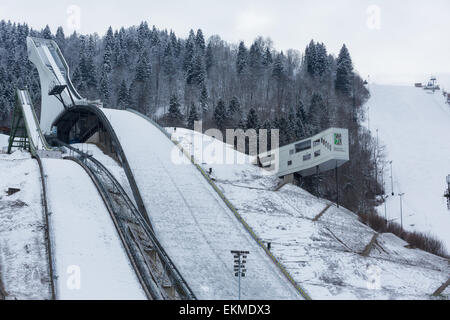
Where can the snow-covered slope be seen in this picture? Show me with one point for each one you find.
(23, 257)
(324, 255)
(415, 127)
(85, 238)
(191, 221)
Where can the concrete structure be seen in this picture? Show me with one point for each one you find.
(57, 90)
(322, 152)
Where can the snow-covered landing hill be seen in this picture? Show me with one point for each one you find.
(323, 256)
(415, 127)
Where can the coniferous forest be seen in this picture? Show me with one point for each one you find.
(246, 85)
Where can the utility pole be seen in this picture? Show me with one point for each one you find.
(385, 210)
(376, 163)
(401, 209)
(239, 266)
(392, 179)
(337, 185)
(447, 195)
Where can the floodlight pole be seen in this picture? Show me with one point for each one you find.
(239, 297)
(239, 264)
(392, 179)
(337, 185)
(401, 209)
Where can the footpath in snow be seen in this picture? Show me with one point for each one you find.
(414, 125)
(191, 221)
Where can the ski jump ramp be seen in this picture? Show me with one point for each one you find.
(191, 221)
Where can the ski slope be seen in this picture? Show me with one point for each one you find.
(191, 221)
(85, 240)
(414, 125)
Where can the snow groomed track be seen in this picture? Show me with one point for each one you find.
(90, 260)
(191, 221)
(86, 258)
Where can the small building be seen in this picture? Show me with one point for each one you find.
(322, 152)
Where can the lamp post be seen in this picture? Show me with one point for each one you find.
(385, 210)
(240, 258)
(448, 191)
(401, 209)
(392, 179)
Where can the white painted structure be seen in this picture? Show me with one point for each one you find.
(322, 152)
(53, 71)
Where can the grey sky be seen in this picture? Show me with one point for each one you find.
(408, 42)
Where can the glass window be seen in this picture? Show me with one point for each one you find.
(302, 146)
(289, 163)
(317, 153)
(291, 152)
(307, 157)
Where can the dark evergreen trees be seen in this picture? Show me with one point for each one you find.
(192, 116)
(344, 72)
(220, 114)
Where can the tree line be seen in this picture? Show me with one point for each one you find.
(177, 81)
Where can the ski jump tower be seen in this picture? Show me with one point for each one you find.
(57, 90)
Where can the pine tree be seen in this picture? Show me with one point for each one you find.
(234, 107)
(196, 72)
(278, 71)
(267, 60)
(174, 109)
(220, 114)
(204, 100)
(104, 88)
(192, 117)
(60, 39)
(143, 68)
(252, 119)
(188, 55)
(344, 72)
(200, 41)
(168, 63)
(241, 60)
(300, 118)
(209, 57)
(46, 33)
(318, 114)
(123, 97)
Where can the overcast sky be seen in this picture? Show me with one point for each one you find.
(395, 41)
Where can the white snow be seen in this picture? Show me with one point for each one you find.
(191, 221)
(32, 124)
(23, 257)
(3, 141)
(414, 125)
(85, 238)
(323, 256)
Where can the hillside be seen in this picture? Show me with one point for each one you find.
(413, 125)
(324, 256)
